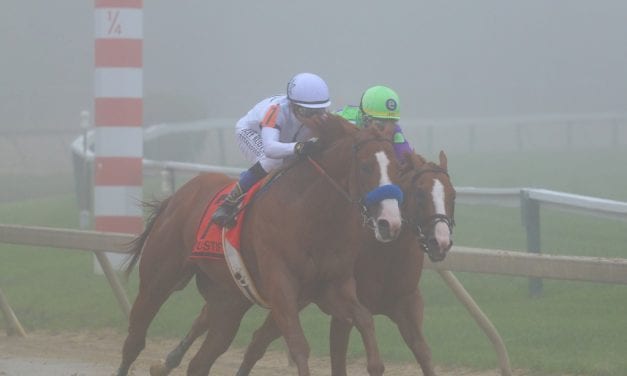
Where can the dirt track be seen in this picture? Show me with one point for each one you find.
(98, 354)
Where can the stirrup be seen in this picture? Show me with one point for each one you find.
(225, 215)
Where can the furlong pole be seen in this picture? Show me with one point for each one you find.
(118, 109)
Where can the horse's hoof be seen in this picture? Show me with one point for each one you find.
(159, 369)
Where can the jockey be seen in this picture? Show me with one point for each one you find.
(379, 106)
(274, 129)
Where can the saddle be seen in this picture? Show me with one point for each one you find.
(209, 235)
(218, 243)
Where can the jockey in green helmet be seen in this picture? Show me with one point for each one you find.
(379, 106)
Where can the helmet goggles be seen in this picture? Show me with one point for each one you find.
(306, 112)
(377, 122)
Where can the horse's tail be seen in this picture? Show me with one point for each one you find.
(156, 208)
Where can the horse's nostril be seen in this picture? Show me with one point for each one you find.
(384, 226)
(433, 244)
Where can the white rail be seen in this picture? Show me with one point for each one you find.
(461, 259)
(508, 197)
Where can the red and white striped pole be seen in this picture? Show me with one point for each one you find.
(118, 117)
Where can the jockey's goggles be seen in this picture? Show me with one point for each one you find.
(307, 112)
(379, 122)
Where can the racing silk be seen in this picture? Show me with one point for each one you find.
(269, 132)
(401, 145)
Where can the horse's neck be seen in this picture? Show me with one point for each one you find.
(410, 208)
(338, 160)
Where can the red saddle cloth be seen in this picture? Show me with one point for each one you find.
(209, 235)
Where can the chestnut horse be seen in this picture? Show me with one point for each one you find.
(387, 275)
(299, 241)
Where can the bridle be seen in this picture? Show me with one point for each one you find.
(389, 191)
(431, 221)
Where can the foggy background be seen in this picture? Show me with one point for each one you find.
(205, 59)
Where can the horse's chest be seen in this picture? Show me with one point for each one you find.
(331, 265)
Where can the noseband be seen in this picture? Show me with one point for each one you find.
(432, 221)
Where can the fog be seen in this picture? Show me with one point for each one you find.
(449, 61)
(446, 59)
(467, 64)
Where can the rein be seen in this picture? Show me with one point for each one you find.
(367, 220)
(379, 194)
(330, 179)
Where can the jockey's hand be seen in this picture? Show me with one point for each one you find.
(306, 148)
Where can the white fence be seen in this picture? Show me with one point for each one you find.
(529, 200)
(461, 259)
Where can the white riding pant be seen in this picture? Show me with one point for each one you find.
(251, 145)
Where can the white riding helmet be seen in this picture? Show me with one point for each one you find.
(308, 90)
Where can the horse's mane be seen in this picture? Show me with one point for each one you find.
(414, 161)
(333, 131)
(333, 128)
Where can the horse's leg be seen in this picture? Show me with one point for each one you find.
(223, 314)
(408, 316)
(155, 288)
(144, 309)
(342, 302)
(282, 297)
(262, 338)
(338, 341)
(200, 325)
(175, 356)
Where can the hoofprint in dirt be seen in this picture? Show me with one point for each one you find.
(98, 354)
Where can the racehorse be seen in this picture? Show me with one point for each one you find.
(387, 275)
(299, 241)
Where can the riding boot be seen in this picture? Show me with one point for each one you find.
(225, 214)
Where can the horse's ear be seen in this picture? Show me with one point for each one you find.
(443, 160)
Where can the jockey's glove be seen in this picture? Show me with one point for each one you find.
(306, 148)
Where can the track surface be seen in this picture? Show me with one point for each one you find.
(98, 354)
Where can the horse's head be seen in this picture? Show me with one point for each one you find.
(372, 172)
(429, 204)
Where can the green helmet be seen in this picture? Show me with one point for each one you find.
(380, 102)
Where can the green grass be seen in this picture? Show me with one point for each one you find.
(598, 173)
(575, 327)
(16, 186)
